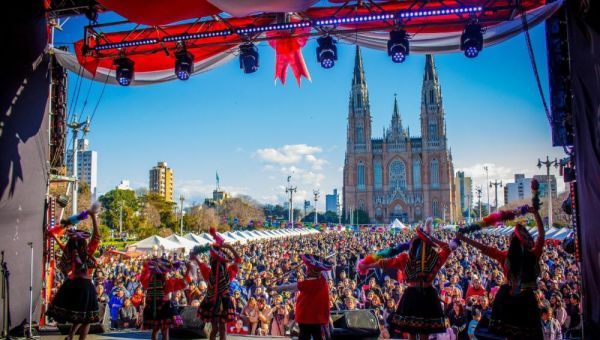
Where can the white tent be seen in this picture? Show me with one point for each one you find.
(182, 241)
(551, 232)
(562, 234)
(398, 225)
(207, 237)
(149, 243)
(236, 237)
(196, 238)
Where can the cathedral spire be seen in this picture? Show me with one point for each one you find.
(430, 72)
(359, 73)
(396, 113)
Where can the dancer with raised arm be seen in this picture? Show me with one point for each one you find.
(76, 301)
(159, 280)
(312, 303)
(515, 312)
(419, 312)
(218, 306)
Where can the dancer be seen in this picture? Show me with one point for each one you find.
(218, 307)
(158, 312)
(419, 312)
(76, 301)
(515, 312)
(312, 303)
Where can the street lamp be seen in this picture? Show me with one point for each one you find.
(181, 199)
(548, 163)
(495, 185)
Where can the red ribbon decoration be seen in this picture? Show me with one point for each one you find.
(288, 51)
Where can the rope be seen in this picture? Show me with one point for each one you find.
(534, 64)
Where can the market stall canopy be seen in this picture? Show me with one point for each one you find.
(184, 242)
(397, 224)
(148, 244)
(196, 239)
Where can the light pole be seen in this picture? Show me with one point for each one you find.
(495, 184)
(469, 208)
(548, 163)
(478, 190)
(316, 197)
(291, 190)
(181, 199)
(487, 180)
(339, 210)
(121, 219)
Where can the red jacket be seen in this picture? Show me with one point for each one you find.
(312, 306)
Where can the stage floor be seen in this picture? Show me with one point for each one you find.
(140, 335)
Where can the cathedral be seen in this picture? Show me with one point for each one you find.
(398, 175)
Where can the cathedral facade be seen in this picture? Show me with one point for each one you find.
(398, 175)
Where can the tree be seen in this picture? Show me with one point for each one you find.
(242, 209)
(165, 209)
(200, 219)
(112, 202)
(151, 216)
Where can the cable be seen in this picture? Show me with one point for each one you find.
(534, 65)
(76, 92)
(101, 95)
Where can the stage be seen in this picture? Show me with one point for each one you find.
(55, 335)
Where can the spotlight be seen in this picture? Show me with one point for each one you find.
(326, 52)
(124, 70)
(91, 13)
(248, 58)
(397, 46)
(184, 64)
(471, 41)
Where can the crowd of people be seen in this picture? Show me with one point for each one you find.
(467, 283)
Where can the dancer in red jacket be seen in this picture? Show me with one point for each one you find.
(312, 304)
(218, 307)
(515, 312)
(420, 310)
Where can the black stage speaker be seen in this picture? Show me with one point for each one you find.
(193, 326)
(95, 328)
(354, 324)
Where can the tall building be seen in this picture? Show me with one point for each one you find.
(520, 189)
(397, 175)
(543, 180)
(87, 165)
(161, 181)
(463, 194)
(331, 202)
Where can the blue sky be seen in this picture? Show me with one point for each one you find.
(255, 133)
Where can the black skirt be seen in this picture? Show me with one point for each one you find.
(75, 302)
(419, 312)
(516, 316)
(157, 313)
(222, 309)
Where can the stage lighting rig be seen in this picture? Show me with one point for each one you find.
(184, 64)
(326, 52)
(249, 57)
(125, 71)
(398, 47)
(471, 40)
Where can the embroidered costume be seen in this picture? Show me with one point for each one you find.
(515, 312)
(158, 310)
(76, 300)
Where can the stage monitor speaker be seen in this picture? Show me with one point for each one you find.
(95, 328)
(193, 326)
(354, 324)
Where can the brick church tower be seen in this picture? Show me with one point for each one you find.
(398, 176)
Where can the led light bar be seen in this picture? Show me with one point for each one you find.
(441, 11)
(130, 43)
(299, 24)
(273, 27)
(208, 34)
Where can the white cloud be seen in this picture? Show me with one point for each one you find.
(287, 154)
(496, 172)
(316, 163)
